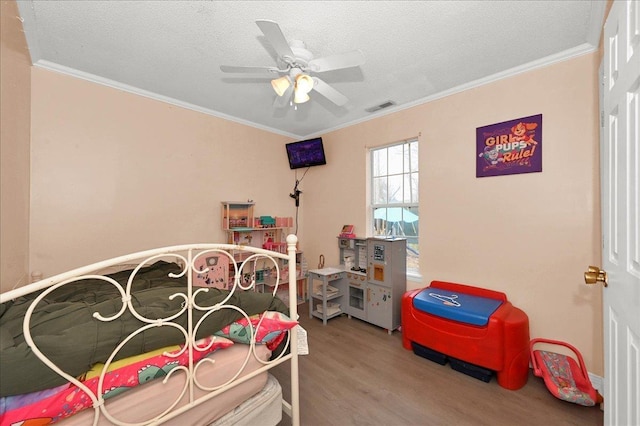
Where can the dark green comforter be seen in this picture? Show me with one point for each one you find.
(64, 329)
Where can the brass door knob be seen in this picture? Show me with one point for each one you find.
(595, 275)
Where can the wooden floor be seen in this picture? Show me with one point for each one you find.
(358, 374)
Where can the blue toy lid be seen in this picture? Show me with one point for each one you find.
(456, 306)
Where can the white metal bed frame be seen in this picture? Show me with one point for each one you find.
(185, 255)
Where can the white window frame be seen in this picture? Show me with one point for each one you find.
(405, 176)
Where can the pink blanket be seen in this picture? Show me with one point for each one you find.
(46, 407)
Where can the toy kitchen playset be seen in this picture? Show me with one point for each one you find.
(368, 284)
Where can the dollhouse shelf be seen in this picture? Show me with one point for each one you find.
(266, 238)
(237, 214)
(265, 232)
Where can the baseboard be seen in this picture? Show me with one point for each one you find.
(597, 382)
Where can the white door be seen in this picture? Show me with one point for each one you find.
(620, 151)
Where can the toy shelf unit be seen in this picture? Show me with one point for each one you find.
(243, 228)
(266, 279)
(267, 232)
(326, 291)
(267, 238)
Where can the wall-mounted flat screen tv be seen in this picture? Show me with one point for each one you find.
(306, 153)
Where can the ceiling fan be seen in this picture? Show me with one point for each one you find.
(295, 64)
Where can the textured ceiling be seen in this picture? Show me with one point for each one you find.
(414, 51)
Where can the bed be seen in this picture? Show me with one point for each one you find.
(148, 338)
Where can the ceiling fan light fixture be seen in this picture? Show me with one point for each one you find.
(304, 83)
(294, 59)
(280, 85)
(300, 97)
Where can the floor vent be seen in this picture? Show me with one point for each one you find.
(381, 106)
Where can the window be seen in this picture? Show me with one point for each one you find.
(394, 196)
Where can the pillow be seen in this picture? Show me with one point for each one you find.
(268, 329)
(129, 368)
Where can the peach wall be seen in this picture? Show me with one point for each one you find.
(15, 93)
(113, 173)
(531, 236)
(117, 172)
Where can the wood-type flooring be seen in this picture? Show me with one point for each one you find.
(358, 374)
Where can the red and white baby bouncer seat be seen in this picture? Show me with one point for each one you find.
(565, 378)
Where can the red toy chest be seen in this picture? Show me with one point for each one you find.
(502, 345)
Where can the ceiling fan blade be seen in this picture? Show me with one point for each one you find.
(354, 58)
(285, 99)
(273, 33)
(329, 92)
(249, 70)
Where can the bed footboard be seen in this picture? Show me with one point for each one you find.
(162, 304)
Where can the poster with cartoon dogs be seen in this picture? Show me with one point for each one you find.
(510, 147)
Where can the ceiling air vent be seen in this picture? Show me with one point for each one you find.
(381, 106)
